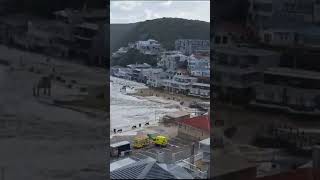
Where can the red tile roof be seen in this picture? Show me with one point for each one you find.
(200, 122)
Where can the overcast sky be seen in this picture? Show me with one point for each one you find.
(136, 11)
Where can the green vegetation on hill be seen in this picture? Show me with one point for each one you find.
(164, 30)
(44, 8)
(117, 34)
(134, 56)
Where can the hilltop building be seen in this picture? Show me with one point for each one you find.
(190, 46)
(173, 60)
(150, 46)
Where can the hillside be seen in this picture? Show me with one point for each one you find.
(44, 8)
(117, 33)
(165, 30)
(133, 56)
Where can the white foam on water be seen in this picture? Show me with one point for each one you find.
(127, 111)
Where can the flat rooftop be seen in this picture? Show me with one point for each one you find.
(117, 144)
(290, 72)
(244, 51)
(201, 84)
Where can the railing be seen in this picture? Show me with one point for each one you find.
(196, 172)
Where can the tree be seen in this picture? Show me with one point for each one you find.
(134, 56)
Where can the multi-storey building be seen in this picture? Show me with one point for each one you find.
(150, 46)
(268, 13)
(190, 46)
(238, 68)
(292, 90)
(307, 36)
(200, 90)
(179, 84)
(136, 70)
(173, 60)
(199, 66)
(83, 38)
(156, 77)
(145, 74)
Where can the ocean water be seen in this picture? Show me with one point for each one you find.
(127, 110)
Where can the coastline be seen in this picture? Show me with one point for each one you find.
(142, 111)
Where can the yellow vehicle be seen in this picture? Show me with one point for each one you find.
(158, 140)
(140, 142)
(161, 141)
(143, 141)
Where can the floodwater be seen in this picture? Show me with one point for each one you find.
(127, 110)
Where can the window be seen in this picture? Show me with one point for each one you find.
(225, 40)
(267, 37)
(217, 39)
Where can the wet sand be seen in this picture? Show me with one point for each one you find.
(170, 96)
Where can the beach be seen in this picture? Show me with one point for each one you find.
(127, 110)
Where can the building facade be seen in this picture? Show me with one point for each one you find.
(150, 46)
(238, 68)
(190, 46)
(172, 60)
(199, 66)
(267, 13)
(291, 90)
(179, 84)
(200, 90)
(155, 79)
(196, 128)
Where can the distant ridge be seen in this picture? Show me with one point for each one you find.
(165, 30)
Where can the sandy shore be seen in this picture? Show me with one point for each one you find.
(41, 141)
(169, 96)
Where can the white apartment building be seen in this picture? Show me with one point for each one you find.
(150, 46)
(172, 60)
(145, 74)
(155, 79)
(179, 84)
(200, 90)
(199, 66)
(190, 46)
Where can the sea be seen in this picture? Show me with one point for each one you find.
(127, 110)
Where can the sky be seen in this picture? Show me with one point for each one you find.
(122, 12)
